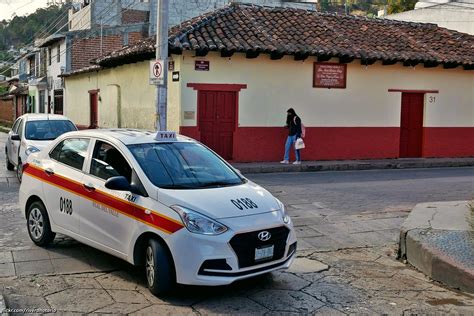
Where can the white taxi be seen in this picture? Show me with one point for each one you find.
(158, 200)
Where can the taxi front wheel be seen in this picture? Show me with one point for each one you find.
(159, 268)
(39, 228)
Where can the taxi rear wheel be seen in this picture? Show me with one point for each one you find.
(19, 170)
(10, 166)
(39, 228)
(159, 268)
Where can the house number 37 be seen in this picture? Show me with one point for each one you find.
(432, 99)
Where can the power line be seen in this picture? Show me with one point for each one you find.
(81, 32)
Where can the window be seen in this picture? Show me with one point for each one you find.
(58, 54)
(183, 166)
(47, 129)
(49, 56)
(15, 126)
(108, 162)
(20, 128)
(71, 152)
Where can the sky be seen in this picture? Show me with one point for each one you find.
(20, 7)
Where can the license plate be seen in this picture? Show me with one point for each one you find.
(264, 253)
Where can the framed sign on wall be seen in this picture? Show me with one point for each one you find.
(329, 75)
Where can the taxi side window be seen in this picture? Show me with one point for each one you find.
(20, 128)
(108, 162)
(71, 152)
(15, 126)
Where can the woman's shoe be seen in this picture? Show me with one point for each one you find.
(285, 162)
(297, 162)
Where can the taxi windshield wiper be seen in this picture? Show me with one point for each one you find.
(218, 184)
(178, 186)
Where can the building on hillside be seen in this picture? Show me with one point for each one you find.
(452, 14)
(408, 93)
(86, 14)
(55, 48)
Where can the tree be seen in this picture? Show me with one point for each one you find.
(396, 6)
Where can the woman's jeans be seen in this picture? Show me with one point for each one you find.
(291, 141)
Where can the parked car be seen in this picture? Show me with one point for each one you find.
(164, 202)
(31, 133)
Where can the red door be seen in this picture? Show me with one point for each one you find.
(217, 118)
(411, 127)
(93, 109)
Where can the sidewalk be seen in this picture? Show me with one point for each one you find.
(337, 165)
(438, 239)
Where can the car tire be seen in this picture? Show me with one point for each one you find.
(10, 166)
(159, 268)
(38, 224)
(19, 170)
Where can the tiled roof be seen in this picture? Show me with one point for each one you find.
(83, 70)
(285, 31)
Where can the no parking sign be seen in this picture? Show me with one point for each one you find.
(157, 72)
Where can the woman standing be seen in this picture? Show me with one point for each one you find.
(293, 123)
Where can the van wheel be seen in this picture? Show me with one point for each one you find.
(39, 228)
(19, 170)
(159, 268)
(10, 166)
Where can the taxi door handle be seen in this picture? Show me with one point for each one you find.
(49, 171)
(89, 187)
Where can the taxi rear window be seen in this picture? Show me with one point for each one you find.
(181, 165)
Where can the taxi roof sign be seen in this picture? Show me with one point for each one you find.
(165, 136)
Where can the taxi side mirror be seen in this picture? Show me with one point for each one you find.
(119, 183)
(15, 137)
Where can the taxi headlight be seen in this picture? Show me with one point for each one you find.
(285, 217)
(198, 223)
(30, 150)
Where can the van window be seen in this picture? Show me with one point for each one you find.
(71, 152)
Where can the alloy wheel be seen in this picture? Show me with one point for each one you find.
(36, 224)
(150, 266)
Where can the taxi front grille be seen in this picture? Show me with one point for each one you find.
(244, 245)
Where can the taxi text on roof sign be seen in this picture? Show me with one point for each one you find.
(165, 136)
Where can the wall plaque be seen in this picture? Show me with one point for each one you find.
(189, 115)
(329, 75)
(201, 65)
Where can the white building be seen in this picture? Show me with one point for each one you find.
(452, 14)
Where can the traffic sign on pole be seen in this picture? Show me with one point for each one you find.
(157, 72)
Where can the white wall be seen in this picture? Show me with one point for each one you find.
(274, 86)
(457, 16)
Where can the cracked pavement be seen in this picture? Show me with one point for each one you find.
(348, 226)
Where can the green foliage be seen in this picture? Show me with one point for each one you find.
(396, 6)
(5, 71)
(364, 7)
(21, 30)
(3, 90)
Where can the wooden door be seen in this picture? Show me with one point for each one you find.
(217, 119)
(411, 127)
(93, 110)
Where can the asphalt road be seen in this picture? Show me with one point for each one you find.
(347, 220)
(353, 192)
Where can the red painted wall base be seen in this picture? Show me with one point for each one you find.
(254, 144)
(448, 142)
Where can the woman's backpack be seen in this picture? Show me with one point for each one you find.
(303, 128)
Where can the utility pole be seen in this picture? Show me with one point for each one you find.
(162, 54)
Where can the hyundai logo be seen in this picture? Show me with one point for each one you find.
(264, 236)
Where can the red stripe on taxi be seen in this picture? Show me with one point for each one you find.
(127, 208)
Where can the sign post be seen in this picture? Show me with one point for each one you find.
(158, 69)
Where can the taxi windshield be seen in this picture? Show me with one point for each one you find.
(182, 165)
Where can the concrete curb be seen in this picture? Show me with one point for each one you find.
(436, 238)
(354, 165)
